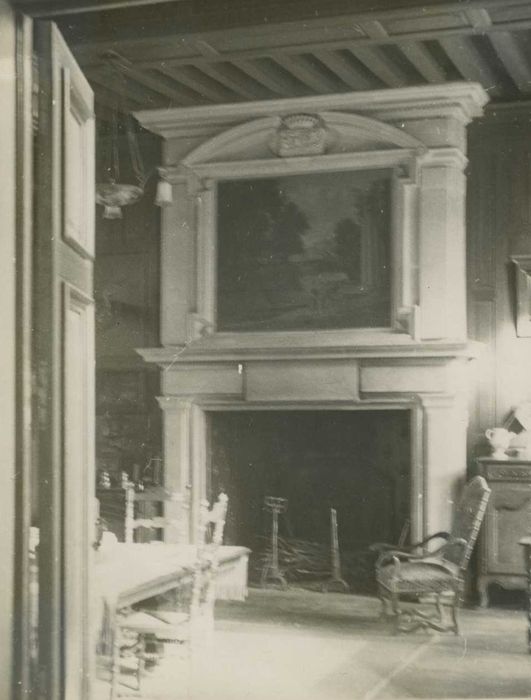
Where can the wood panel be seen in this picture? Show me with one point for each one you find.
(499, 221)
(482, 327)
(127, 283)
(127, 267)
(128, 420)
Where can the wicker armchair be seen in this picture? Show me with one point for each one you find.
(434, 577)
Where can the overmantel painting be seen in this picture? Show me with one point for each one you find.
(304, 252)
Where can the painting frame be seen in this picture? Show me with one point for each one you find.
(522, 264)
(201, 181)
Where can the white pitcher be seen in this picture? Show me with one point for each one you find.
(499, 439)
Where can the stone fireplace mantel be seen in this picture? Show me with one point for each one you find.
(418, 363)
(427, 380)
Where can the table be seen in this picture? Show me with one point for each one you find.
(125, 574)
(129, 573)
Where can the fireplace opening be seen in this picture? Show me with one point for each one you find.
(357, 462)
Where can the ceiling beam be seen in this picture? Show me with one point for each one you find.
(344, 69)
(379, 64)
(55, 8)
(419, 56)
(149, 80)
(374, 29)
(199, 82)
(232, 79)
(182, 48)
(184, 17)
(135, 91)
(479, 19)
(267, 9)
(469, 62)
(515, 62)
(265, 72)
(307, 72)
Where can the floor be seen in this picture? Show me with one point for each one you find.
(306, 645)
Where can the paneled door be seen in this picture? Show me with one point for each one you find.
(63, 367)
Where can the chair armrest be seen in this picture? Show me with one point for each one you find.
(438, 535)
(396, 556)
(452, 542)
(381, 547)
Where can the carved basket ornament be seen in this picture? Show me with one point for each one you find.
(300, 135)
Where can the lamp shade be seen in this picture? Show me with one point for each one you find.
(164, 196)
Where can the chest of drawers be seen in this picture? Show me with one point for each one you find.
(507, 520)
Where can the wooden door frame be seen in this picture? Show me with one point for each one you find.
(21, 679)
(30, 398)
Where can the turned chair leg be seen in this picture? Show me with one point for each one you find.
(455, 609)
(115, 664)
(383, 600)
(116, 667)
(141, 656)
(397, 612)
(439, 606)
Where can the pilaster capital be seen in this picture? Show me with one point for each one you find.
(174, 404)
(438, 402)
(455, 405)
(443, 158)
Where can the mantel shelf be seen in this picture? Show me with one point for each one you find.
(223, 348)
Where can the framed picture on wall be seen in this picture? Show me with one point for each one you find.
(523, 295)
(303, 252)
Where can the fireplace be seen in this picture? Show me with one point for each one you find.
(357, 462)
(264, 309)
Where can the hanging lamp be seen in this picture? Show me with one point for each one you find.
(120, 188)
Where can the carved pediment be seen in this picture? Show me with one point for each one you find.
(301, 134)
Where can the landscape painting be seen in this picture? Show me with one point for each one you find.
(304, 252)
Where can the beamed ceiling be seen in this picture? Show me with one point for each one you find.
(186, 53)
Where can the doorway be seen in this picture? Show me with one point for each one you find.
(59, 627)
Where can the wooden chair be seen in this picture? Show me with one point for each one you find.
(115, 504)
(211, 528)
(437, 576)
(139, 631)
(139, 515)
(148, 510)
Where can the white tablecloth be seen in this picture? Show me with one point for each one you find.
(129, 573)
(126, 574)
